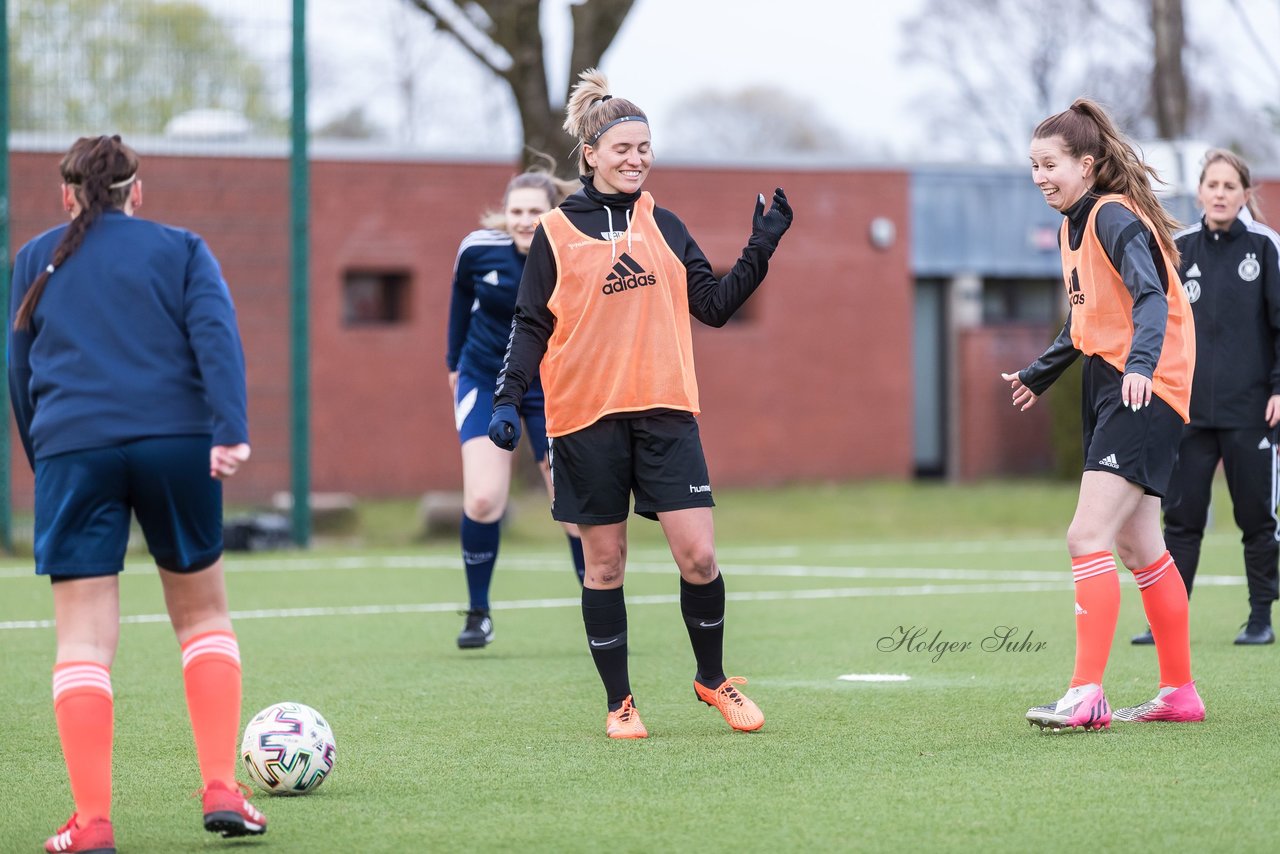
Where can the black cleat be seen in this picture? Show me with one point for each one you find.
(1143, 639)
(478, 630)
(1255, 634)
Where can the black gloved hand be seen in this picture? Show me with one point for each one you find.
(772, 225)
(504, 427)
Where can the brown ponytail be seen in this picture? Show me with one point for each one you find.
(101, 171)
(1086, 129)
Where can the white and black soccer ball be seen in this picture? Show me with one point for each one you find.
(288, 749)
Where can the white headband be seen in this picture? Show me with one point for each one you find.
(116, 186)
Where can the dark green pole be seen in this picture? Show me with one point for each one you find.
(299, 246)
(6, 491)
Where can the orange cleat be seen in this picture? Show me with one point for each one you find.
(737, 708)
(94, 837)
(625, 722)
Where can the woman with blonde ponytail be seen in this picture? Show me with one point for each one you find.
(1129, 315)
(486, 276)
(127, 380)
(603, 308)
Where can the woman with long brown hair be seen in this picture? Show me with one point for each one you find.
(128, 387)
(1129, 316)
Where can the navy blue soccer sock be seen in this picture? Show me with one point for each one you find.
(579, 562)
(702, 606)
(479, 554)
(604, 615)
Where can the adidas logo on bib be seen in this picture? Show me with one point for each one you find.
(627, 274)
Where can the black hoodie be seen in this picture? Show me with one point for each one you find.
(711, 300)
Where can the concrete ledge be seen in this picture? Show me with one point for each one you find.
(332, 513)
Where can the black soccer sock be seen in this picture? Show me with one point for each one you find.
(703, 608)
(579, 560)
(604, 614)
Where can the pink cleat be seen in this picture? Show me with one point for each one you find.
(1083, 706)
(1176, 705)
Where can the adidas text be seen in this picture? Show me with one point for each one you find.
(617, 286)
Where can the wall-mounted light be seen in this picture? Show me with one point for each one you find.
(883, 232)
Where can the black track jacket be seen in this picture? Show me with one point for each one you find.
(1232, 278)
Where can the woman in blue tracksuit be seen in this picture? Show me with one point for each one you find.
(486, 276)
(127, 380)
(1231, 271)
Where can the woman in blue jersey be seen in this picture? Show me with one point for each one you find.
(127, 380)
(486, 276)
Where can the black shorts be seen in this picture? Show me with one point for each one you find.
(1141, 446)
(657, 456)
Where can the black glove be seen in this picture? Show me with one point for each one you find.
(504, 427)
(772, 225)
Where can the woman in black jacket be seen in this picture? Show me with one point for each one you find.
(1231, 270)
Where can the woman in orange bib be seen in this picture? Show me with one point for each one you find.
(603, 309)
(1129, 316)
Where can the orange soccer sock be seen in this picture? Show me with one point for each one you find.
(84, 708)
(1164, 598)
(211, 672)
(1097, 610)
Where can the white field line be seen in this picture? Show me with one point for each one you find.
(557, 563)
(659, 560)
(576, 602)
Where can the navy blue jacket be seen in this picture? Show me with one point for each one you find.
(486, 277)
(134, 336)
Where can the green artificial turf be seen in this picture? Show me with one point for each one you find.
(504, 748)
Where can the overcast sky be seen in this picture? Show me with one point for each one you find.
(845, 58)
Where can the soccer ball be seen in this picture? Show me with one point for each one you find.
(288, 749)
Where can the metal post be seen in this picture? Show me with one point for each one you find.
(6, 491)
(300, 428)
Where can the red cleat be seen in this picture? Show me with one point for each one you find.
(228, 811)
(95, 837)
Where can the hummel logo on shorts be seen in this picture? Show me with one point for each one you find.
(1109, 461)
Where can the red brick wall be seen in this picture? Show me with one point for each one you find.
(240, 206)
(815, 386)
(995, 436)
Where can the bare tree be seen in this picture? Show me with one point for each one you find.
(1168, 78)
(505, 37)
(754, 121)
(1005, 64)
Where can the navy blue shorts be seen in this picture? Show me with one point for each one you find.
(473, 409)
(655, 455)
(1141, 446)
(84, 499)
